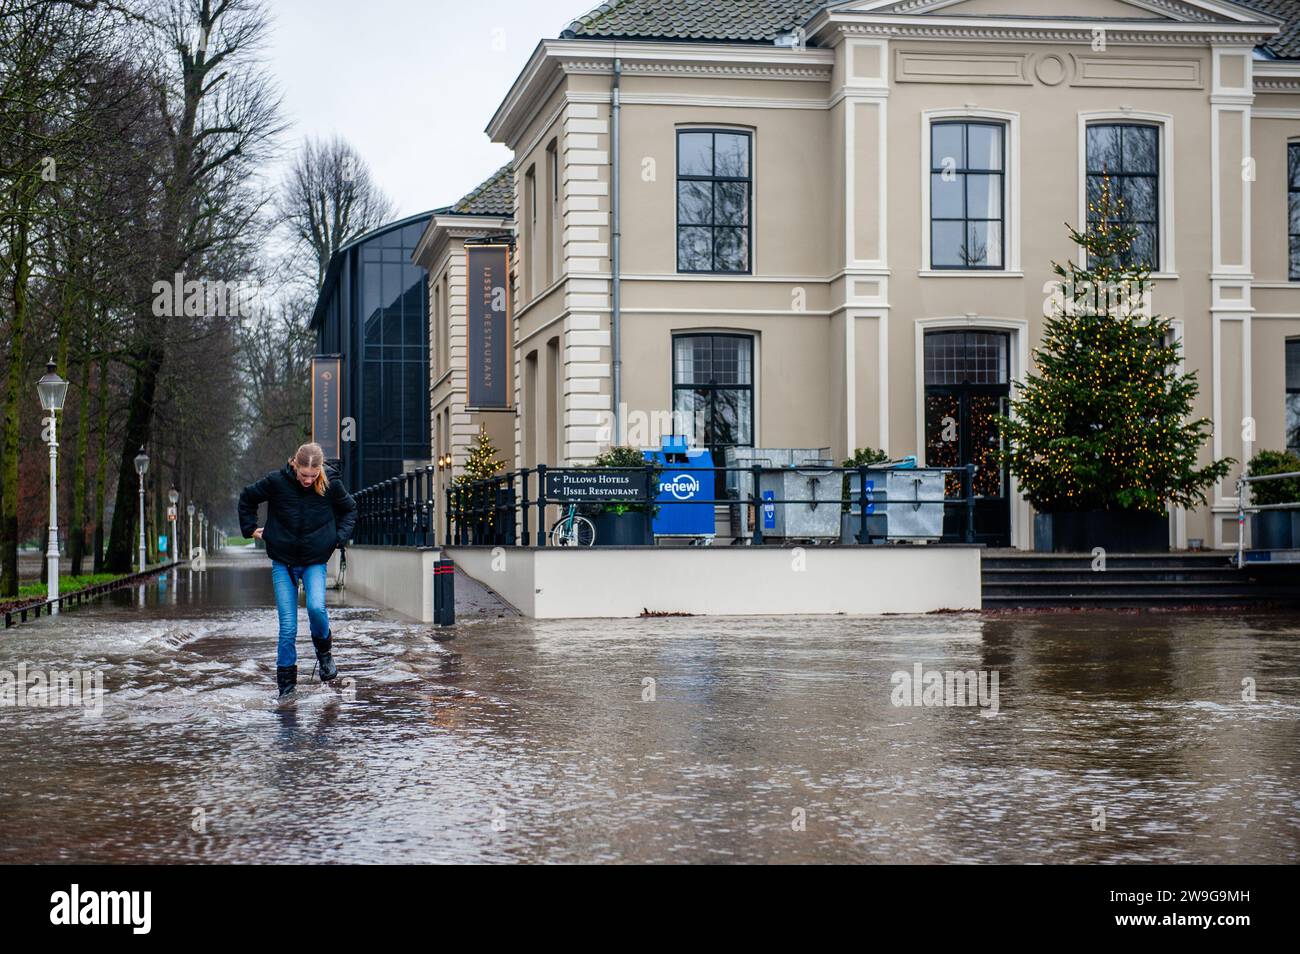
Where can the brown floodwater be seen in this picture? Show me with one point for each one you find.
(758, 739)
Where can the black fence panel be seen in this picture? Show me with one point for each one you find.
(398, 512)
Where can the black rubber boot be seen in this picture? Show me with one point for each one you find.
(327, 668)
(286, 678)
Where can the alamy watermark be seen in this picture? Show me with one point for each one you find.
(129, 908)
(203, 298)
(646, 428)
(37, 688)
(933, 687)
(1119, 299)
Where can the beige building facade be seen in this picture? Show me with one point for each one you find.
(836, 223)
(484, 215)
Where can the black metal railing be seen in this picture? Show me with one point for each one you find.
(1245, 485)
(483, 512)
(511, 509)
(398, 512)
(21, 609)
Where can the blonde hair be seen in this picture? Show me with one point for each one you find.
(311, 455)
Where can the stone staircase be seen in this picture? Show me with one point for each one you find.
(1018, 580)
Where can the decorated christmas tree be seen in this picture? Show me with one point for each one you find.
(1104, 422)
(482, 462)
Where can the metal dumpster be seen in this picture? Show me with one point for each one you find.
(877, 522)
(742, 483)
(914, 504)
(812, 503)
(910, 500)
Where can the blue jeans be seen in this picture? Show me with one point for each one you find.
(285, 579)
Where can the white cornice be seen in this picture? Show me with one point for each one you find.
(1277, 84)
(447, 226)
(553, 59)
(1276, 76)
(1210, 34)
(1180, 10)
(832, 23)
(816, 72)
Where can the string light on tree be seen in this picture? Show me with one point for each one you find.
(483, 461)
(1104, 421)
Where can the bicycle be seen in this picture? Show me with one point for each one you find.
(573, 530)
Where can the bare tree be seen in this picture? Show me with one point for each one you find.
(276, 350)
(221, 116)
(48, 105)
(330, 198)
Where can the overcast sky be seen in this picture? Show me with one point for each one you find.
(410, 83)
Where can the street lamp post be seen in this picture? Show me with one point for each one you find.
(173, 495)
(141, 466)
(189, 534)
(52, 389)
(203, 538)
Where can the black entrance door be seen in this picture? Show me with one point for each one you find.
(966, 388)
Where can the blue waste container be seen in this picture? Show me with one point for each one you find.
(685, 474)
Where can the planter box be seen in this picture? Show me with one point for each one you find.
(1272, 530)
(622, 530)
(1118, 531)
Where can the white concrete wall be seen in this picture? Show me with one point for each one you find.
(731, 581)
(508, 571)
(400, 578)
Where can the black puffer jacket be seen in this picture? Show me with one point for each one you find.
(302, 527)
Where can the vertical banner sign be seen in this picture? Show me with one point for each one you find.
(325, 394)
(489, 309)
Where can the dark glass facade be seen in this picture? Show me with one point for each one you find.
(374, 311)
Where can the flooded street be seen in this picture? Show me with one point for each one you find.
(757, 739)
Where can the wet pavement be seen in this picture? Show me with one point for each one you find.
(668, 739)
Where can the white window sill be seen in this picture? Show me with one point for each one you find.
(969, 273)
(998, 273)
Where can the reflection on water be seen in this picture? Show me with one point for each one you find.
(522, 740)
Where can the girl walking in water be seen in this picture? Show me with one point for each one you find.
(309, 514)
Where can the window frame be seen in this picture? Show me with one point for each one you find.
(751, 387)
(966, 123)
(1287, 391)
(553, 225)
(678, 178)
(1004, 355)
(528, 210)
(1118, 176)
(1166, 232)
(1010, 120)
(1293, 238)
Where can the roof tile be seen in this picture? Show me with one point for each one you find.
(761, 21)
(1286, 45)
(494, 196)
(752, 21)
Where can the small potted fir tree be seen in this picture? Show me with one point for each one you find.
(625, 523)
(1274, 529)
